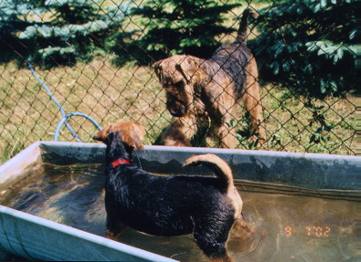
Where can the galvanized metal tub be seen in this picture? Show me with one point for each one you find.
(26, 235)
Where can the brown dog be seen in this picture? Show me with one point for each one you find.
(132, 133)
(201, 91)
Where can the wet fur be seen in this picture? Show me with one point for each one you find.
(171, 205)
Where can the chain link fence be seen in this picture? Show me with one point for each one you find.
(100, 64)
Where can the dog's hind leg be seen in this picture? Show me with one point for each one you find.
(211, 234)
(241, 227)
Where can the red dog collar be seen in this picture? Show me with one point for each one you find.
(119, 162)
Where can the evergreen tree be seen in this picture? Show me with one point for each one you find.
(9, 24)
(312, 46)
(173, 26)
(7, 18)
(62, 31)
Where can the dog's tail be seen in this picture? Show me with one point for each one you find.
(218, 165)
(243, 30)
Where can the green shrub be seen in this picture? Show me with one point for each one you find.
(60, 31)
(311, 46)
(9, 24)
(169, 27)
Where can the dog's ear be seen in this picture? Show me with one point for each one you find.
(102, 134)
(134, 136)
(190, 69)
(157, 66)
(110, 138)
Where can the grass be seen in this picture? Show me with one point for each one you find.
(108, 93)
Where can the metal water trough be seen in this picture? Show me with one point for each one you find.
(33, 237)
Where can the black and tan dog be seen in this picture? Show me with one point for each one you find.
(208, 207)
(200, 91)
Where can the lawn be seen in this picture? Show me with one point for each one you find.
(109, 93)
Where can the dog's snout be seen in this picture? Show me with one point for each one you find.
(177, 113)
(176, 108)
(99, 136)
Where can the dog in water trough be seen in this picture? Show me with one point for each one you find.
(165, 205)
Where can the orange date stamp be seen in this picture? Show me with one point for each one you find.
(319, 231)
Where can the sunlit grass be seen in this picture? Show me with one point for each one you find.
(108, 93)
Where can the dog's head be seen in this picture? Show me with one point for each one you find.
(130, 134)
(178, 75)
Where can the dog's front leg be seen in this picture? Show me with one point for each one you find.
(180, 132)
(224, 134)
(226, 137)
(220, 103)
(111, 235)
(252, 101)
(114, 228)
